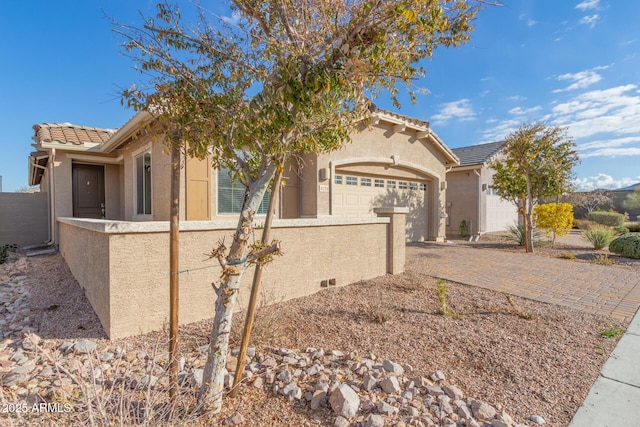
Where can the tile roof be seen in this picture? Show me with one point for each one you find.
(477, 154)
(66, 133)
(411, 120)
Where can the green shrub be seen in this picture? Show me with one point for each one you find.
(517, 234)
(627, 246)
(4, 254)
(463, 229)
(621, 230)
(612, 219)
(599, 236)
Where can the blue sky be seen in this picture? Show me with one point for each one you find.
(573, 63)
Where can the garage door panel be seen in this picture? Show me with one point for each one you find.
(358, 200)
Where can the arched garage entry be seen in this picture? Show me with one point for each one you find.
(360, 185)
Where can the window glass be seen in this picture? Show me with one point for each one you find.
(423, 187)
(352, 180)
(378, 183)
(391, 184)
(365, 182)
(231, 195)
(413, 185)
(338, 179)
(402, 185)
(143, 184)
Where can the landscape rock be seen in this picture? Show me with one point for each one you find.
(85, 347)
(344, 401)
(482, 411)
(537, 419)
(392, 367)
(235, 419)
(390, 385)
(341, 422)
(319, 399)
(374, 420)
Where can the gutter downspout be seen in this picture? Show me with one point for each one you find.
(479, 200)
(49, 234)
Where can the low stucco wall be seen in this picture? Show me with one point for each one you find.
(23, 219)
(124, 266)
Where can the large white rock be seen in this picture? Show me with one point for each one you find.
(344, 401)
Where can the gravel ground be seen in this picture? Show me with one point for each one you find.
(526, 357)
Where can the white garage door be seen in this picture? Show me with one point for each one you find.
(357, 196)
(500, 214)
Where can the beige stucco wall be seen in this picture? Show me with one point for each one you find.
(127, 281)
(23, 219)
(462, 200)
(87, 255)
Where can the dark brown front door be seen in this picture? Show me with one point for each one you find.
(88, 191)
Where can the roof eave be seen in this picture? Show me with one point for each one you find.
(127, 131)
(450, 158)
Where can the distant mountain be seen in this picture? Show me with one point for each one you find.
(629, 188)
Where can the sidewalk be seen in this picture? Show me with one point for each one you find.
(614, 399)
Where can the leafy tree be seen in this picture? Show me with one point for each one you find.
(555, 218)
(590, 201)
(538, 163)
(289, 77)
(632, 201)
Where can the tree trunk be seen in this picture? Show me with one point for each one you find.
(233, 268)
(174, 245)
(255, 288)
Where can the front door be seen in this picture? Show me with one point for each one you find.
(88, 191)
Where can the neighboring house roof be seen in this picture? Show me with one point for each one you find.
(67, 133)
(477, 154)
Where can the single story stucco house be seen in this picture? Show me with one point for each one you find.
(471, 198)
(344, 217)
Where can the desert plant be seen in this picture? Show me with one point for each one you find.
(4, 254)
(463, 229)
(603, 259)
(621, 230)
(627, 246)
(612, 219)
(442, 291)
(612, 332)
(554, 218)
(517, 234)
(567, 255)
(521, 313)
(379, 310)
(599, 236)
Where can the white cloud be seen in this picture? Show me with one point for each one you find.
(460, 110)
(609, 143)
(591, 20)
(531, 22)
(603, 181)
(519, 111)
(517, 98)
(501, 130)
(234, 19)
(588, 4)
(615, 110)
(581, 79)
(612, 152)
